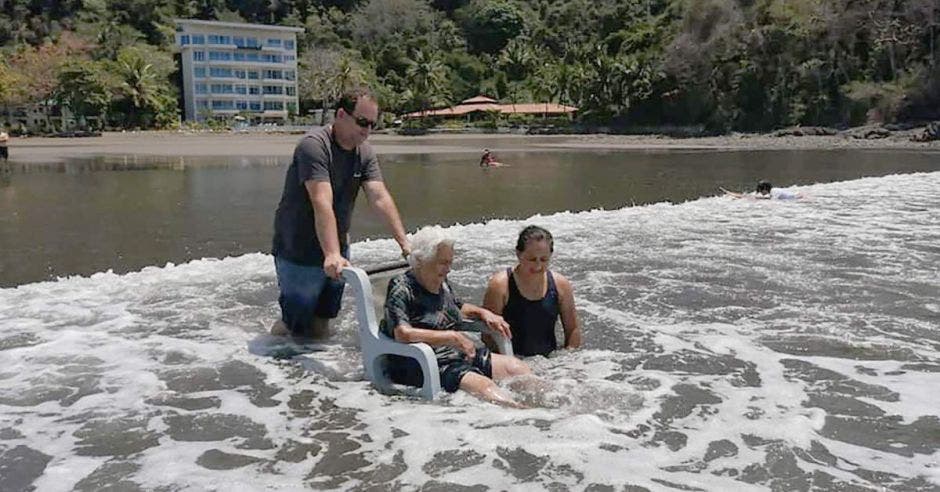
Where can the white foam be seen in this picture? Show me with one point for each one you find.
(693, 297)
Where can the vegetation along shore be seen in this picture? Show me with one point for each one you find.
(724, 65)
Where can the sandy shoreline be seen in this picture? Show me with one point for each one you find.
(27, 151)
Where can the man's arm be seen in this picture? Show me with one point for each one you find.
(383, 203)
(321, 197)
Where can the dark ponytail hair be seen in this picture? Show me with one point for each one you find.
(534, 233)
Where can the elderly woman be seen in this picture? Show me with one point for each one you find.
(421, 307)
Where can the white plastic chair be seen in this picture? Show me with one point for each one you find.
(375, 345)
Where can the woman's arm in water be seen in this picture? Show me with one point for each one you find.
(569, 315)
(497, 293)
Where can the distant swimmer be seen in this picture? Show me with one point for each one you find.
(489, 160)
(766, 191)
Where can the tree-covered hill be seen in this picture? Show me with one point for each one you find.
(747, 65)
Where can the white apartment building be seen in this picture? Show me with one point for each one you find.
(233, 68)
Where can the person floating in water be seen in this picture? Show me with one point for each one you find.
(531, 298)
(765, 191)
(489, 160)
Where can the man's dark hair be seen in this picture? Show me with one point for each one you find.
(764, 186)
(534, 233)
(351, 96)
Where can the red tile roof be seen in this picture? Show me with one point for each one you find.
(467, 107)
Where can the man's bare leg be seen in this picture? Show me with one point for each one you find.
(319, 329)
(279, 329)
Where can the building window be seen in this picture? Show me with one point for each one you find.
(223, 105)
(252, 75)
(289, 45)
(254, 90)
(255, 105)
(240, 74)
(224, 73)
(241, 105)
(274, 43)
(199, 39)
(290, 75)
(222, 89)
(218, 39)
(273, 105)
(239, 41)
(240, 89)
(202, 103)
(201, 89)
(220, 56)
(291, 90)
(289, 58)
(272, 58)
(273, 74)
(184, 39)
(199, 56)
(273, 89)
(199, 72)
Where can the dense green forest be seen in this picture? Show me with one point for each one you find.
(747, 65)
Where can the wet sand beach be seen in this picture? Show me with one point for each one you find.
(41, 150)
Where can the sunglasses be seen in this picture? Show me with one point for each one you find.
(362, 121)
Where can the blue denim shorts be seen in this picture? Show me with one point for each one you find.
(306, 293)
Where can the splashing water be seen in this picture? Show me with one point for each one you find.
(729, 344)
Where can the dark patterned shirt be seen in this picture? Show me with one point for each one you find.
(409, 303)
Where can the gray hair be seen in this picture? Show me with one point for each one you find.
(426, 241)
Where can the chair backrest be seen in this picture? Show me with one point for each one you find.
(365, 309)
(379, 281)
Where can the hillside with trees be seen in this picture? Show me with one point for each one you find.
(744, 65)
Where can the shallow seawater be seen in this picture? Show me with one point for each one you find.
(729, 345)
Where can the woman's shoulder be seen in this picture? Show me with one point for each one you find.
(499, 279)
(561, 281)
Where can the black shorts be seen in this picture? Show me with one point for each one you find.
(4, 152)
(405, 370)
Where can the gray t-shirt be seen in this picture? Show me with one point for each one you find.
(318, 157)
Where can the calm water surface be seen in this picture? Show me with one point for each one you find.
(124, 215)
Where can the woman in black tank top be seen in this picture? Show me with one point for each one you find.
(531, 298)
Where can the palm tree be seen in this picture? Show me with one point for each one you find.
(140, 85)
(427, 78)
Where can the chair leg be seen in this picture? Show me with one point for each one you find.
(432, 380)
(375, 371)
